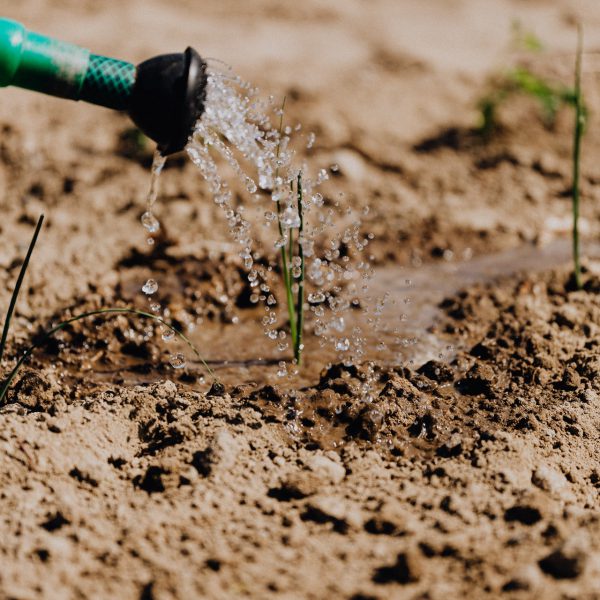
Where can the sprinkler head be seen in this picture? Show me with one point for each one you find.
(168, 98)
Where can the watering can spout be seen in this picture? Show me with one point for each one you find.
(164, 96)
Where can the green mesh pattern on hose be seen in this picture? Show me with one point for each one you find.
(108, 82)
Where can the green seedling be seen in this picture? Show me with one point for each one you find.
(295, 306)
(298, 344)
(286, 271)
(523, 39)
(551, 97)
(49, 333)
(520, 80)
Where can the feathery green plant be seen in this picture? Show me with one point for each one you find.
(520, 80)
(550, 95)
(523, 39)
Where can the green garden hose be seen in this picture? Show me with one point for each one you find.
(164, 95)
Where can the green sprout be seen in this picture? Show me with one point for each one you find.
(287, 251)
(552, 97)
(298, 345)
(524, 39)
(49, 333)
(520, 80)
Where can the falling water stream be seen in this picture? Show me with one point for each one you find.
(241, 133)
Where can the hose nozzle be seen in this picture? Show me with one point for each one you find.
(168, 98)
(164, 96)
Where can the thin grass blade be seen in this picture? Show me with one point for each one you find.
(15, 294)
(300, 301)
(103, 311)
(577, 135)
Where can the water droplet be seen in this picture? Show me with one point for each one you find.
(168, 335)
(338, 324)
(318, 310)
(322, 176)
(150, 287)
(342, 345)
(316, 297)
(150, 222)
(281, 242)
(308, 246)
(290, 218)
(177, 361)
(317, 199)
(282, 371)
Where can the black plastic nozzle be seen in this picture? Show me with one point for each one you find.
(168, 98)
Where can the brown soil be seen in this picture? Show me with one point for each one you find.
(471, 475)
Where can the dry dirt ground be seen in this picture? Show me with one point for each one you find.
(472, 476)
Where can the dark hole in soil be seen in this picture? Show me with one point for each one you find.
(400, 572)
(42, 554)
(527, 515)
(82, 477)
(147, 592)
(151, 482)
(55, 522)
(560, 566)
(286, 493)
(316, 515)
(202, 462)
(213, 564)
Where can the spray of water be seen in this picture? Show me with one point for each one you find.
(242, 131)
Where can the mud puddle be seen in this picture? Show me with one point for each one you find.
(403, 333)
(398, 317)
(430, 284)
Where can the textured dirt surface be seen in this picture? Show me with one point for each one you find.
(474, 475)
